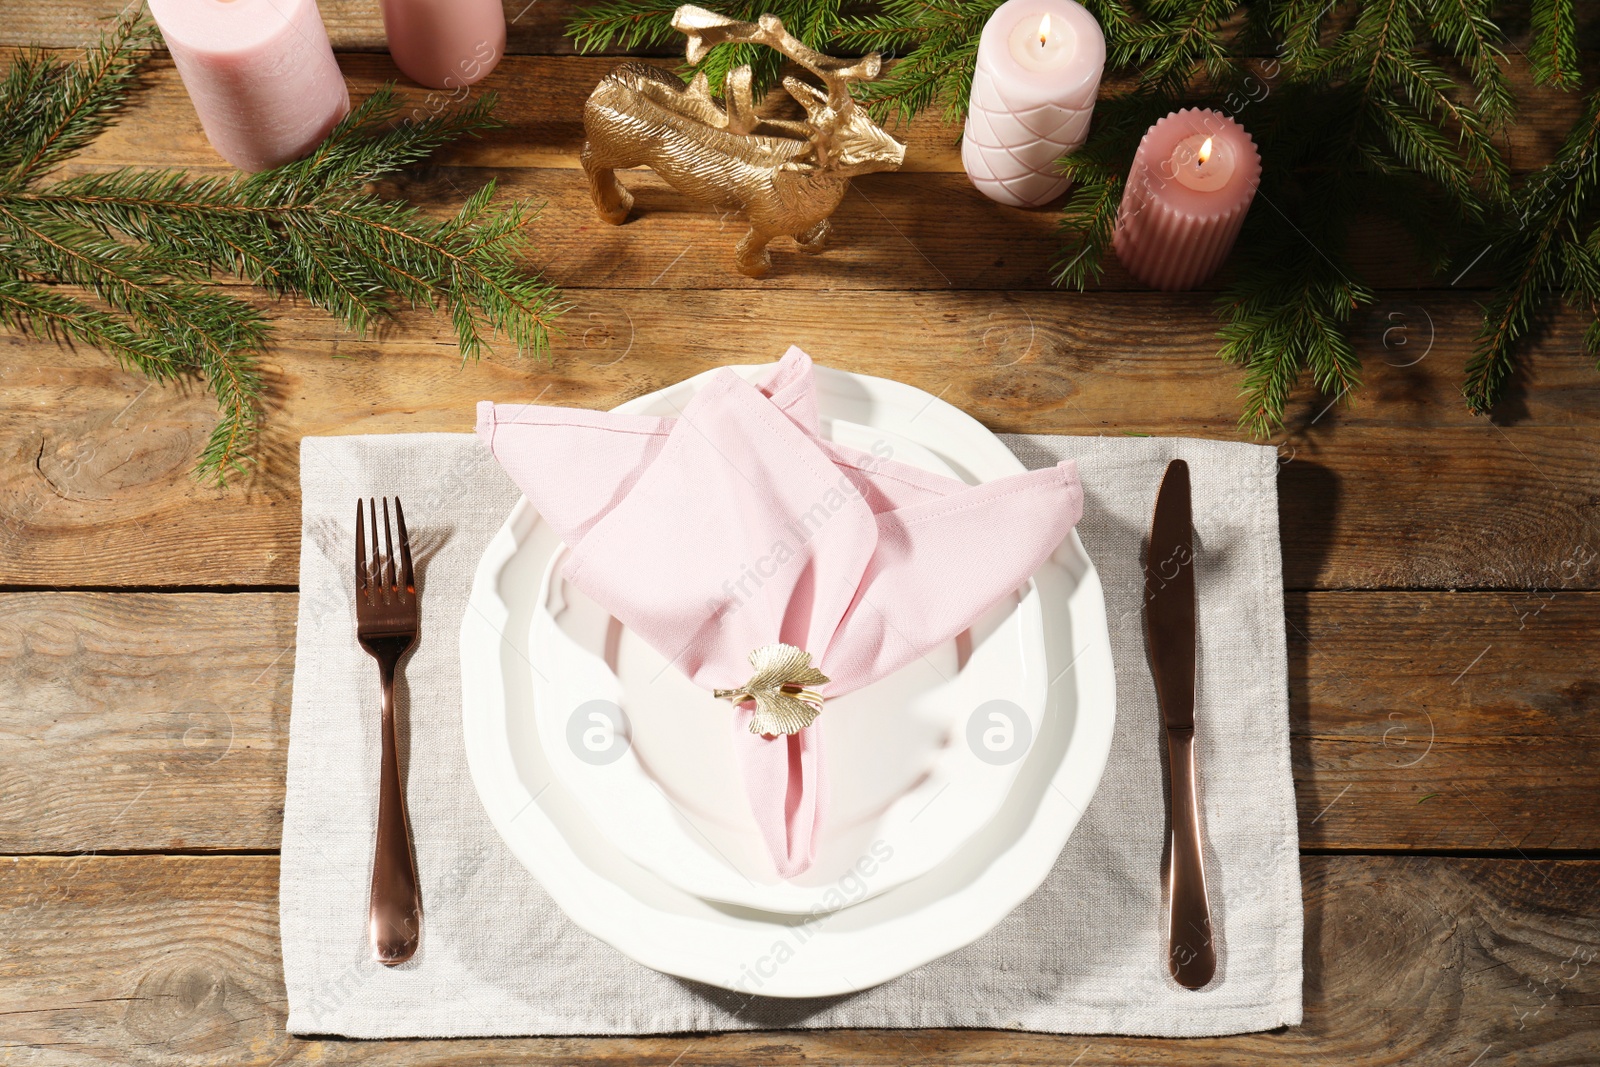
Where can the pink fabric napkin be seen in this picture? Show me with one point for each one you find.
(735, 526)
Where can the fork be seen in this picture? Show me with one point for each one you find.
(386, 626)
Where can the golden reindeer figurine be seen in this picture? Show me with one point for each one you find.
(787, 177)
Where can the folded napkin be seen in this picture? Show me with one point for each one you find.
(666, 518)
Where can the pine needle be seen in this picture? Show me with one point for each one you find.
(1394, 107)
(1554, 51)
(1539, 248)
(635, 24)
(148, 244)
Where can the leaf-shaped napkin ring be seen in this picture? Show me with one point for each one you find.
(784, 704)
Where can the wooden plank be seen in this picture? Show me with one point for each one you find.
(1401, 489)
(532, 26)
(541, 102)
(168, 716)
(924, 228)
(1419, 720)
(917, 230)
(1421, 961)
(1439, 720)
(541, 105)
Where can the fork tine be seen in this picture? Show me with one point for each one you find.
(389, 589)
(408, 579)
(361, 552)
(375, 561)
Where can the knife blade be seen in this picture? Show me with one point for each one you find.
(1171, 616)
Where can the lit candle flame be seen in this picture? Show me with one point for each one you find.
(1205, 152)
(1044, 29)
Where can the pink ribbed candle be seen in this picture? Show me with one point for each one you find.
(261, 75)
(1189, 189)
(445, 44)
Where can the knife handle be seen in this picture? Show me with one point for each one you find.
(1191, 955)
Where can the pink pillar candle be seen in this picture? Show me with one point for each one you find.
(445, 44)
(1190, 187)
(261, 75)
(1039, 64)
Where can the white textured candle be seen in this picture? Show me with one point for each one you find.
(1039, 64)
(261, 75)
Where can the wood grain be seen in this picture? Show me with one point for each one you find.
(923, 228)
(919, 230)
(532, 26)
(1409, 960)
(916, 230)
(1439, 720)
(167, 717)
(1400, 489)
(541, 102)
(1419, 720)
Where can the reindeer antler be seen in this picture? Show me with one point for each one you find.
(707, 29)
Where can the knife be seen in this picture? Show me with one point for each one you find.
(1169, 618)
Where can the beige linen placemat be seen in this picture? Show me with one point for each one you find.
(1084, 954)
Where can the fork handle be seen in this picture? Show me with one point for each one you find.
(395, 908)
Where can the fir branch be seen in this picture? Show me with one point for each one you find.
(46, 311)
(1539, 247)
(937, 41)
(628, 24)
(1464, 28)
(148, 244)
(54, 109)
(1180, 40)
(1432, 93)
(633, 24)
(1098, 171)
(1297, 27)
(1088, 222)
(1553, 54)
(1287, 314)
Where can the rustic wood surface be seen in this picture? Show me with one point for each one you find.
(1419, 721)
(1421, 961)
(1444, 604)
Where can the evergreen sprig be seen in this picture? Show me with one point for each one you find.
(1359, 107)
(1354, 112)
(937, 42)
(1549, 242)
(635, 24)
(147, 246)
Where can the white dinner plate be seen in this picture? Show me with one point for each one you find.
(831, 952)
(649, 755)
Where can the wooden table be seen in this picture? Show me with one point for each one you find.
(1443, 613)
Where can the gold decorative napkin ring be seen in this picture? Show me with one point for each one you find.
(780, 688)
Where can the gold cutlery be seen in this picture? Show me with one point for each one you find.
(1170, 616)
(387, 621)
